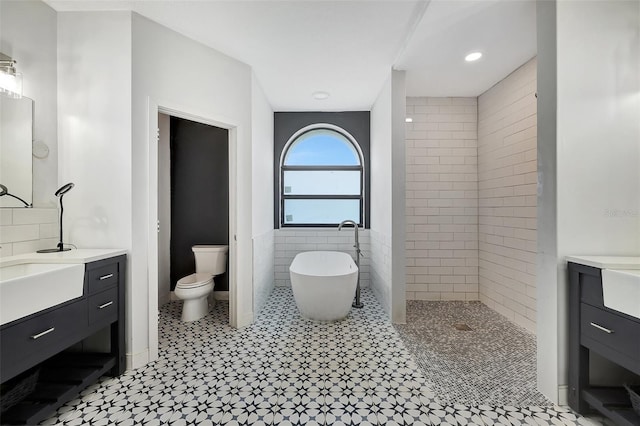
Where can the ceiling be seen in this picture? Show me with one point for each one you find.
(504, 31)
(347, 48)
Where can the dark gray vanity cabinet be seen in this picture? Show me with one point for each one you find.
(612, 334)
(43, 341)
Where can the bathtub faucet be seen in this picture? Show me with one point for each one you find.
(356, 303)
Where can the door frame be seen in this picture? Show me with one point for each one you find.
(180, 111)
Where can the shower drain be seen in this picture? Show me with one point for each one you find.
(462, 327)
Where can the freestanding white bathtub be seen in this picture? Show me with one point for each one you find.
(324, 284)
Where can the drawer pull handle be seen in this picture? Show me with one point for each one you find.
(601, 328)
(39, 335)
(106, 277)
(105, 305)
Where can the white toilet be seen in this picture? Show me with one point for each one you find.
(194, 289)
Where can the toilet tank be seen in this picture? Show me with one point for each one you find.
(210, 259)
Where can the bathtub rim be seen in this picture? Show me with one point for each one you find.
(340, 253)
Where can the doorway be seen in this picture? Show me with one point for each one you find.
(156, 198)
(193, 198)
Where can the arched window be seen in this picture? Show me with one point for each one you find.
(321, 178)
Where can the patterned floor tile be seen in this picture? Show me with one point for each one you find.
(285, 370)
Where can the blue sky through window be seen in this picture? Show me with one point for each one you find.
(322, 148)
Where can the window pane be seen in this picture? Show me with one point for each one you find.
(321, 182)
(322, 147)
(321, 211)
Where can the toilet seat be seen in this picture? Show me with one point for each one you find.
(194, 281)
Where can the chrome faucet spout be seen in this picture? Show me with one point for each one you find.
(355, 227)
(346, 222)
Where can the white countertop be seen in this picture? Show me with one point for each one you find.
(607, 262)
(71, 256)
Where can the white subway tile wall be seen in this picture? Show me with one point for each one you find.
(442, 199)
(289, 242)
(507, 176)
(25, 230)
(263, 269)
(380, 267)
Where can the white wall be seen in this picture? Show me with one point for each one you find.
(29, 31)
(442, 199)
(94, 128)
(381, 137)
(507, 173)
(262, 190)
(598, 128)
(261, 159)
(547, 258)
(164, 208)
(388, 220)
(598, 153)
(217, 89)
(398, 188)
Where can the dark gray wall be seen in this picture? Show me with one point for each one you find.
(199, 193)
(285, 124)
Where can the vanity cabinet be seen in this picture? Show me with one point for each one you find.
(44, 338)
(612, 334)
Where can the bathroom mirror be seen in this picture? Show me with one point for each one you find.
(16, 137)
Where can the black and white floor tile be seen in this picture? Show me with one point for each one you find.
(283, 370)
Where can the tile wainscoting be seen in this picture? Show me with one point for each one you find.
(263, 269)
(25, 230)
(289, 242)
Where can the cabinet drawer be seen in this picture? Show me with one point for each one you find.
(36, 339)
(614, 331)
(102, 278)
(103, 307)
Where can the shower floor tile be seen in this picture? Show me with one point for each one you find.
(493, 362)
(284, 370)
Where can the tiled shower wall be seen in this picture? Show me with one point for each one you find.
(27, 230)
(442, 199)
(507, 170)
(289, 242)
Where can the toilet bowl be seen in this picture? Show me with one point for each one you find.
(194, 289)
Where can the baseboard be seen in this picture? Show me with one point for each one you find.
(164, 299)
(563, 395)
(137, 360)
(221, 295)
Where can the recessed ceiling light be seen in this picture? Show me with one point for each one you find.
(321, 96)
(408, 120)
(473, 56)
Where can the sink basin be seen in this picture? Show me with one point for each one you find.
(621, 290)
(27, 288)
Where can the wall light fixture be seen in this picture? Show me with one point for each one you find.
(10, 78)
